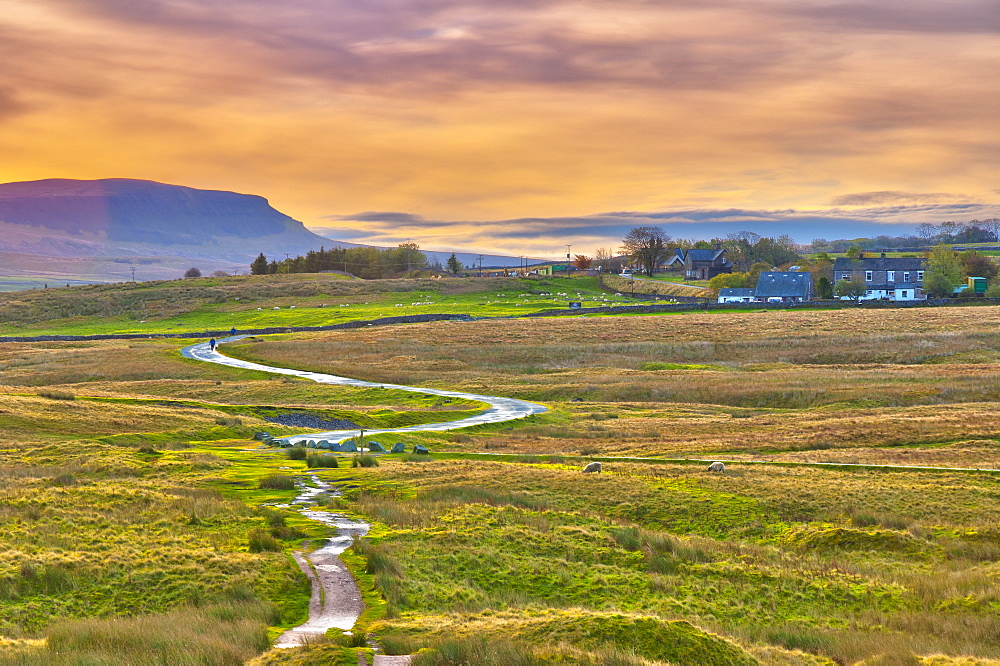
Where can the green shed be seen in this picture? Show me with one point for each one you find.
(977, 285)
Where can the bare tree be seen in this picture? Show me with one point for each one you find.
(647, 245)
(192, 272)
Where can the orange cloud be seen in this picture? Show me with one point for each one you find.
(498, 111)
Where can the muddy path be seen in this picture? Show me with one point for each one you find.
(499, 409)
(336, 599)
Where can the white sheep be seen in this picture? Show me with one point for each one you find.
(716, 467)
(592, 467)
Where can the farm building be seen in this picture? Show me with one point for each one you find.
(891, 278)
(736, 295)
(783, 287)
(700, 264)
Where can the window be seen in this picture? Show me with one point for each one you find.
(920, 276)
(906, 276)
(890, 276)
(904, 294)
(868, 276)
(846, 277)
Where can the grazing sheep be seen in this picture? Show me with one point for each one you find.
(716, 467)
(592, 467)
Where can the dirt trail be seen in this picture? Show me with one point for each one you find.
(500, 409)
(336, 599)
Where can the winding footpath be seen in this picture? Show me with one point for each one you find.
(336, 599)
(500, 409)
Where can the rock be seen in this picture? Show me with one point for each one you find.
(421, 449)
(398, 447)
(349, 446)
(335, 446)
(593, 467)
(322, 444)
(717, 467)
(376, 446)
(261, 436)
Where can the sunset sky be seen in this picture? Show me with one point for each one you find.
(522, 125)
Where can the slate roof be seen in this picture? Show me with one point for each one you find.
(880, 264)
(704, 255)
(784, 285)
(736, 291)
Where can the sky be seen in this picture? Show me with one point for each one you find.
(524, 125)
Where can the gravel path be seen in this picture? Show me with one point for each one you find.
(336, 599)
(500, 409)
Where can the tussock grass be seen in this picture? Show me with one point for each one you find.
(314, 460)
(222, 633)
(276, 482)
(364, 461)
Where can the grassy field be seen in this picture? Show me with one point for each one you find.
(280, 300)
(132, 505)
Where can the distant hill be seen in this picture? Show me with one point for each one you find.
(120, 210)
(61, 230)
(109, 225)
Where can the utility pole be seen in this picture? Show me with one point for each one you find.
(480, 265)
(133, 274)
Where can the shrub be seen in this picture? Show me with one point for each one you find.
(321, 460)
(56, 395)
(228, 421)
(260, 541)
(276, 482)
(364, 461)
(297, 453)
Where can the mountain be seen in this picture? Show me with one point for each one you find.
(114, 223)
(119, 210)
(72, 231)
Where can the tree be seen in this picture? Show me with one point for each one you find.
(607, 260)
(853, 252)
(454, 265)
(582, 262)
(272, 268)
(854, 288)
(647, 245)
(192, 273)
(729, 281)
(824, 288)
(927, 231)
(259, 265)
(943, 272)
(978, 265)
(753, 273)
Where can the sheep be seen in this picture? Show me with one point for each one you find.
(592, 467)
(716, 467)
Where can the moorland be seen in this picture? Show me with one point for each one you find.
(855, 522)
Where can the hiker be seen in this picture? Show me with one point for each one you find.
(212, 343)
(232, 331)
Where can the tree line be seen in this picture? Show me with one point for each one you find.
(365, 262)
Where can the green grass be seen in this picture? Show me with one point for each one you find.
(275, 301)
(771, 557)
(142, 498)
